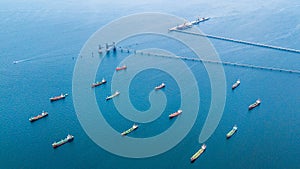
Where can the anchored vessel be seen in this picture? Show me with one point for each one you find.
(183, 26)
(200, 20)
(63, 141)
(44, 114)
(160, 86)
(113, 95)
(187, 25)
(236, 84)
(103, 81)
(175, 114)
(198, 153)
(135, 126)
(62, 96)
(121, 68)
(255, 104)
(231, 132)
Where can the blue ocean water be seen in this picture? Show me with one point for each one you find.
(46, 37)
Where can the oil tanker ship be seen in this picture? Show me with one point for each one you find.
(62, 96)
(135, 126)
(44, 114)
(198, 153)
(231, 132)
(160, 86)
(113, 95)
(63, 141)
(103, 81)
(236, 84)
(175, 114)
(121, 68)
(255, 104)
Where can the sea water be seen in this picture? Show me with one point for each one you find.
(46, 38)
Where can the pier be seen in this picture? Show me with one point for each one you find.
(242, 41)
(126, 50)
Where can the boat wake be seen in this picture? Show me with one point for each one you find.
(42, 57)
(20, 61)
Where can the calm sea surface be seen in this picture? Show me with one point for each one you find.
(46, 38)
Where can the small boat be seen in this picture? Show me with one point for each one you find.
(44, 114)
(113, 95)
(232, 131)
(103, 81)
(255, 104)
(198, 153)
(62, 96)
(160, 86)
(236, 84)
(121, 68)
(63, 141)
(135, 126)
(175, 114)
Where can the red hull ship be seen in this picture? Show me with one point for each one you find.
(121, 68)
(62, 96)
(175, 114)
(255, 104)
(35, 118)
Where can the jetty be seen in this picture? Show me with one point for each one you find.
(241, 41)
(127, 50)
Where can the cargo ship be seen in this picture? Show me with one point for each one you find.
(236, 84)
(63, 141)
(135, 126)
(62, 96)
(113, 95)
(255, 104)
(121, 68)
(198, 153)
(103, 81)
(232, 131)
(160, 86)
(175, 114)
(44, 114)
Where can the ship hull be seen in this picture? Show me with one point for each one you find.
(198, 153)
(55, 99)
(98, 84)
(160, 86)
(230, 134)
(175, 114)
(33, 119)
(235, 86)
(129, 130)
(112, 96)
(195, 157)
(69, 138)
(253, 106)
(121, 68)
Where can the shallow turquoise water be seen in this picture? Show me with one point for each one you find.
(48, 36)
